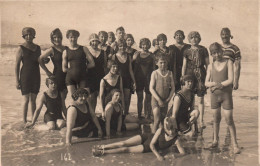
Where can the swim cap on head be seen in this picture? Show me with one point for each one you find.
(93, 36)
(161, 36)
(57, 33)
(73, 32)
(28, 31)
(194, 34)
(179, 32)
(146, 41)
(215, 47)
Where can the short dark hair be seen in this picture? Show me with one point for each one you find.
(110, 63)
(50, 78)
(73, 32)
(145, 40)
(78, 92)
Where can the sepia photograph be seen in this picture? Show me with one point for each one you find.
(129, 83)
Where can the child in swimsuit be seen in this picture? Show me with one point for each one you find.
(144, 65)
(163, 138)
(220, 79)
(55, 52)
(195, 63)
(28, 77)
(52, 100)
(162, 89)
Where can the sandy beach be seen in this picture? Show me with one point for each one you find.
(41, 147)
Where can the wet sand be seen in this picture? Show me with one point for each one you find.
(40, 147)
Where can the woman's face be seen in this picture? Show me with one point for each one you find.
(129, 42)
(57, 40)
(120, 34)
(94, 44)
(102, 39)
(225, 36)
(144, 46)
(73, 39)
(188, 84)
(28, 38)
(52, 85)
(114, 69)
(121, 48)
(82, 99)
(162, 43)
(194, 40)
(179, 38)
(116, 97)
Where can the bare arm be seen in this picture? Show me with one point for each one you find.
(41, 62)
(95, 120)
(19, 54)
(64, 61)
(131, 71)
(172, 89)
(176, 106)
(102, 96)
(184, 66)
(229, 81)
(108, 114)
(89, 58)
(153, 142)
(71, 118)
(237, 68)
(208, 82)
(207, 62)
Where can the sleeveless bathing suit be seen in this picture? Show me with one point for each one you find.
(54, 108)
(124, 72)
(183, 115)
(77, 61)
(57, 71)
(96, 73)
(30, 72)
(114, 120)
(108, 89)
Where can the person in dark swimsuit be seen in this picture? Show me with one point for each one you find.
(55, 52)
(125, 71)
(76, 60)
(111, 81)
(220, 79)
(183, 108)
(95, 74)
(163, 138)
(113, 115)
(53, 102)
(195, 63)
(81, 119)
(103, 36)
(179, 47)
(144, 65)
(28, 78)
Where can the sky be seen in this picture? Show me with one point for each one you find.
(140, 18)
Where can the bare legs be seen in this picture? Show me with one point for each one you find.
(59, 124)
(31, 97)
(201, 110)
(93, 100)
(63, 95)
(127, 94)
(147, 104)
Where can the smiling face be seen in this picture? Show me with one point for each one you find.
(144, 46)
(82, 99)
(179, 38)
(114, 69)
(129, 42)
(52, 85)
(121, 48)
(162, 42)
(225, 36)
(94, 44)
(194, 40)
(102, 39)
(188, 84)
(28, 38)
(57, 40)
(120, 34)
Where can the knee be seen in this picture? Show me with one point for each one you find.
(230, 121)
(61, 124)
(217, 118)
